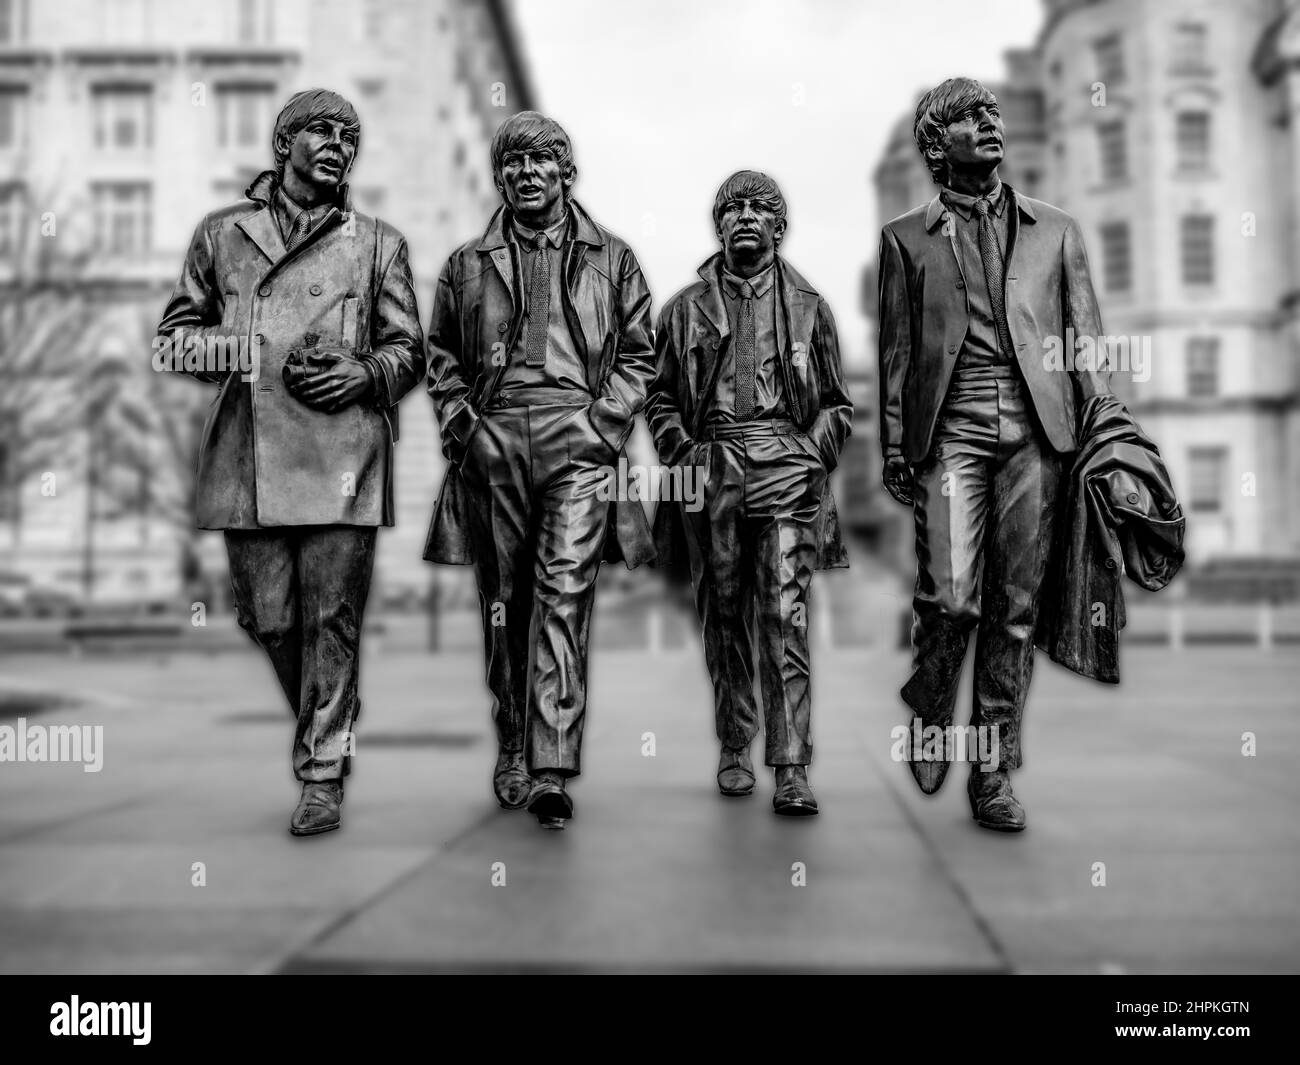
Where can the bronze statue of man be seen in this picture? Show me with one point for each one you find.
(750, 390)
(296, 466)
(540, 353)
(976, 424)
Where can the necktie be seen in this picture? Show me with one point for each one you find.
(539, 306)
(745, 356)
(301, 224)
(994, 278)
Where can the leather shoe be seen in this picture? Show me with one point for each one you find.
(549, 802)
(318, 808)
(735, 772)
(991, 802)
(793, 798)
(511, 780)
(929, 774)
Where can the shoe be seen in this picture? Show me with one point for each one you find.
(929, 774)
(793, 798)
(991, 802)
(511, 780)
(318, 808)
(735, 772)
(549, 802)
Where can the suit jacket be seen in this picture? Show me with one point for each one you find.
(691, 343)
(1122, 517)
(924, 318)
(477, 319)
(266, 460)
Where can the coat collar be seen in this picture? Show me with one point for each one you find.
(584, 230)
(936, 209)
(260, 226)
(792, 290)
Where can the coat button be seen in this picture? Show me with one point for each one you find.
(264, 291)
(1110, 563)
(961, 284)
(952, 349)
(260, 339)
(1132, 497)
(315, 290)
(502, 326)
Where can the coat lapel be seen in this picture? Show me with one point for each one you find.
(710, 307)
(935, 213)
(260, 227)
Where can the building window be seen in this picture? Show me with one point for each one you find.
(1189, 47)
(123, 117)
(13, 21)
(13, 117)
(11, 218)
(1113, 151)
(123, 217)
(1116, 258)
(1108, 53)
(1193, 140)
(1203, 367)
(1197, 238)
(1206, 466)
(245, 115)
(253, 23)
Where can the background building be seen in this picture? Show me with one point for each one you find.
(1168, 130)
(121, 123)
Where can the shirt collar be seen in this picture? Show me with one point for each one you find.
(554, 234)
(290, 208)
(760, 282)
(965, 204)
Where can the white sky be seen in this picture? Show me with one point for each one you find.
(665, 98)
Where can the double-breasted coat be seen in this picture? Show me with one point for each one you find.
(476, 321)
(265, 459)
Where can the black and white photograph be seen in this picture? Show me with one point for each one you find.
(696, 432)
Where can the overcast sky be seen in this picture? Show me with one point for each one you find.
(664, 99)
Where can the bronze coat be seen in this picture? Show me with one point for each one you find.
(475, 324)
(924, 317)
(691, 343)
(266, 460)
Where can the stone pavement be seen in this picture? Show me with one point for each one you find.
(657, 872)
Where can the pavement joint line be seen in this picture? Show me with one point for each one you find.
(25, 834)
(75, 698)
(917, 825)
(479, 967)
(284, 960)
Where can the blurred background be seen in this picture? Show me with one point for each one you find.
(1168, 129)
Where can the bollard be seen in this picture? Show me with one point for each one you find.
(1176, 628)
(1264, 626)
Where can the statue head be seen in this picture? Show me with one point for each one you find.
(958, 127)
(749, 218)
(532, 165)
(316, 138)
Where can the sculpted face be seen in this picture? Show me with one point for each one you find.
(976, 138)
(532, 182)
(749, 230)
(322, 152)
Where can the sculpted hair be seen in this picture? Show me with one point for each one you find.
(304, 108)
(531, 131)
(941, 105)
(749, 185)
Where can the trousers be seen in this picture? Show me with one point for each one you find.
(301, 593)
(534, 474)
(985, 516)
(753, 550)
